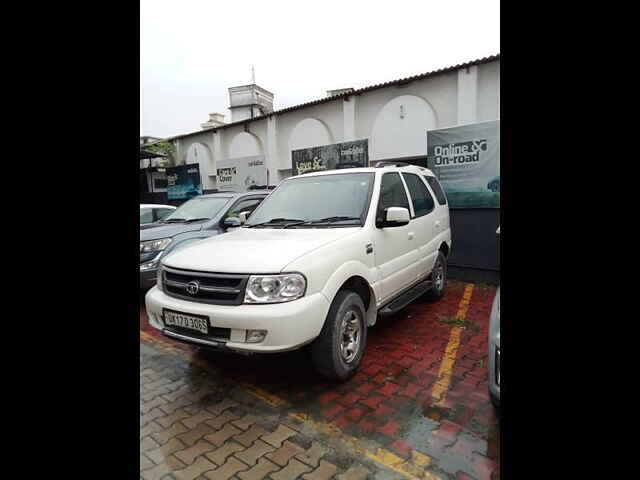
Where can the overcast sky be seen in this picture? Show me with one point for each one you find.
(192, 51)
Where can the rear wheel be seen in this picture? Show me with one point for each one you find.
(439, 277)
(338, 350)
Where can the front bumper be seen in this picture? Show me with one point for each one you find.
(289, 325)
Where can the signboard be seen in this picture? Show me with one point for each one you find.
(466, 160)
(183, 182)
(330, 157)
(239, 174)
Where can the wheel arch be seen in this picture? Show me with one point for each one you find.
(445, 249)
(355, 277)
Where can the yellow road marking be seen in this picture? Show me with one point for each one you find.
(263, 395)
(441, 386)
(413, 468)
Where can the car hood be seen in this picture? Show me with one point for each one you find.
(167, 230)
(254, 250)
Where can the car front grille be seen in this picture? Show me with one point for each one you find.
(212, 288)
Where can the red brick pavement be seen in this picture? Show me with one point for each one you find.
(389, 399)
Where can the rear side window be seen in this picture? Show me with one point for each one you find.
(146, 215)
(420, 196)
(437, 189)
(392, 194)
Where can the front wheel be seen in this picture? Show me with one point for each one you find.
(338, 350)
(438, 277)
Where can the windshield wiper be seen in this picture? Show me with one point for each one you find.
(326, 221)
(333, 219)
(174, 220)
(277, 221)
(196, 219)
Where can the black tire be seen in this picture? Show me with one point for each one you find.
(437, 291)
(326, 354)
(496, 403)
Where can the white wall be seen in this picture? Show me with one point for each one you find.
(400, 128)
(440, 101)
(245, 144)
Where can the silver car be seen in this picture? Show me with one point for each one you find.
(494, 351)
(494, 345)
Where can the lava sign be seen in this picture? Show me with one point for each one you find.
(329, 157)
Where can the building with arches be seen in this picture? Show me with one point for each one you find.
(393, 118)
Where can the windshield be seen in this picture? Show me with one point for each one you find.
(198, 208)
(333, 199)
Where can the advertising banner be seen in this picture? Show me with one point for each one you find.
(330, 157)
(239, 174)
(466, 160)
(183, 182)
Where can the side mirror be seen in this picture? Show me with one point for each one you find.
(395, 217)
(232, 222)
(243, 217)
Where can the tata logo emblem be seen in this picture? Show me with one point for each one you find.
(193, 287)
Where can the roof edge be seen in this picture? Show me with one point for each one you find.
(357, 91)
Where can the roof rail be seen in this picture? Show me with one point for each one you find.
(392, 164)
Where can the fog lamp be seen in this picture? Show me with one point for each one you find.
(255, 336)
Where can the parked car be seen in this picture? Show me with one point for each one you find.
(201, 217)
(494, 351)
(316, 263)
(494, 348)
(150, 213)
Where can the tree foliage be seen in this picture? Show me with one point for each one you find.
(165, 148)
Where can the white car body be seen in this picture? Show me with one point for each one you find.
(328, 258)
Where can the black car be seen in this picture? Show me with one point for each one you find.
(201, 217)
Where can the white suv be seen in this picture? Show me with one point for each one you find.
(317, 262)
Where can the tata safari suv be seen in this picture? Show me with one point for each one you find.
(315, 264)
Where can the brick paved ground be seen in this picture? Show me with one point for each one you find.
(206, 414)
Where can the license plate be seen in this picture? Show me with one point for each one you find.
(183, 320)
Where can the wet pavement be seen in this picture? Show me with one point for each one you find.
(417, 408)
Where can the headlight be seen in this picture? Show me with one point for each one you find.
(275, 288)
(159, 277)
(154, 245)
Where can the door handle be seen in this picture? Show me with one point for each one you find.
(411, 235)
(437, 224)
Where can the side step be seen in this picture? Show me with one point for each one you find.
(406, 298)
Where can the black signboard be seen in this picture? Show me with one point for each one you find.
(330, 157)
(183, 182)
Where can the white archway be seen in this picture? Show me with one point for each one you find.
(310, 132)
(245, 144)
(400, 128)
(201, 154)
